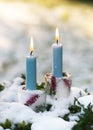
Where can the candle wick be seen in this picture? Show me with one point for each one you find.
(57, 41)
(31, 53)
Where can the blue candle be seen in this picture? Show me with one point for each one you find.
(57, 50)
(31, 69)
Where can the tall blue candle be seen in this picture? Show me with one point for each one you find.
(57, 50)
(31, 69)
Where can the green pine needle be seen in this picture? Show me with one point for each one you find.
(2, 87)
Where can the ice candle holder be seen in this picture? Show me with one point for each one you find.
(58, 87)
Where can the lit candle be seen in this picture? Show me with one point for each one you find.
(57, 59)
(31, 69)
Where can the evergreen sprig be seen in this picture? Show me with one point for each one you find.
(23, 76)
(22, 126)
(24, 79)
(86, 91)
(42, 108)
(66, 117)
(41, 86)
(18, 126)
(75, 108)
(85, 121)
(2, 87)
(7, 124)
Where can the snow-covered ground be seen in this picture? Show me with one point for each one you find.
(18, 21)
(12, 108)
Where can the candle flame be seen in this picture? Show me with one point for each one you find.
(31, 45)
(57, 35)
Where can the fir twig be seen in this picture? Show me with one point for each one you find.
(2, 87)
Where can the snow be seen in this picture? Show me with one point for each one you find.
(86, 100)
(52, 124)
(1, 128)
(10, 93)
(76, 92)
(13, 109)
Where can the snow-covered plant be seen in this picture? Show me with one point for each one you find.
(76, 107)
(42, 108)
(18, 126)
(86, 91)
(22, 126)
(7, 124)
(85, 121)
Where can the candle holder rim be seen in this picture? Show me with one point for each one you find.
(65, 75)
(55, 44)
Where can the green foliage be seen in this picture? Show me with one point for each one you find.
(48, 107)
(86, 91)
(1, 87)
(66, 117)
(41, 86)
(22, 126)
(52, 93)
(6, 125)
(19, 126)
(42, 108)
(75, 108)
(23, 76)
(85, 121)
(64, 74)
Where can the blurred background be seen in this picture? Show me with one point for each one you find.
(21, 19)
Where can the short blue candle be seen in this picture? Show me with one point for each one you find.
(57, 50)
(31, 71)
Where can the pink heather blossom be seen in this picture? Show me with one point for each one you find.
(67, 82)
(32, 100)
(53, 84)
